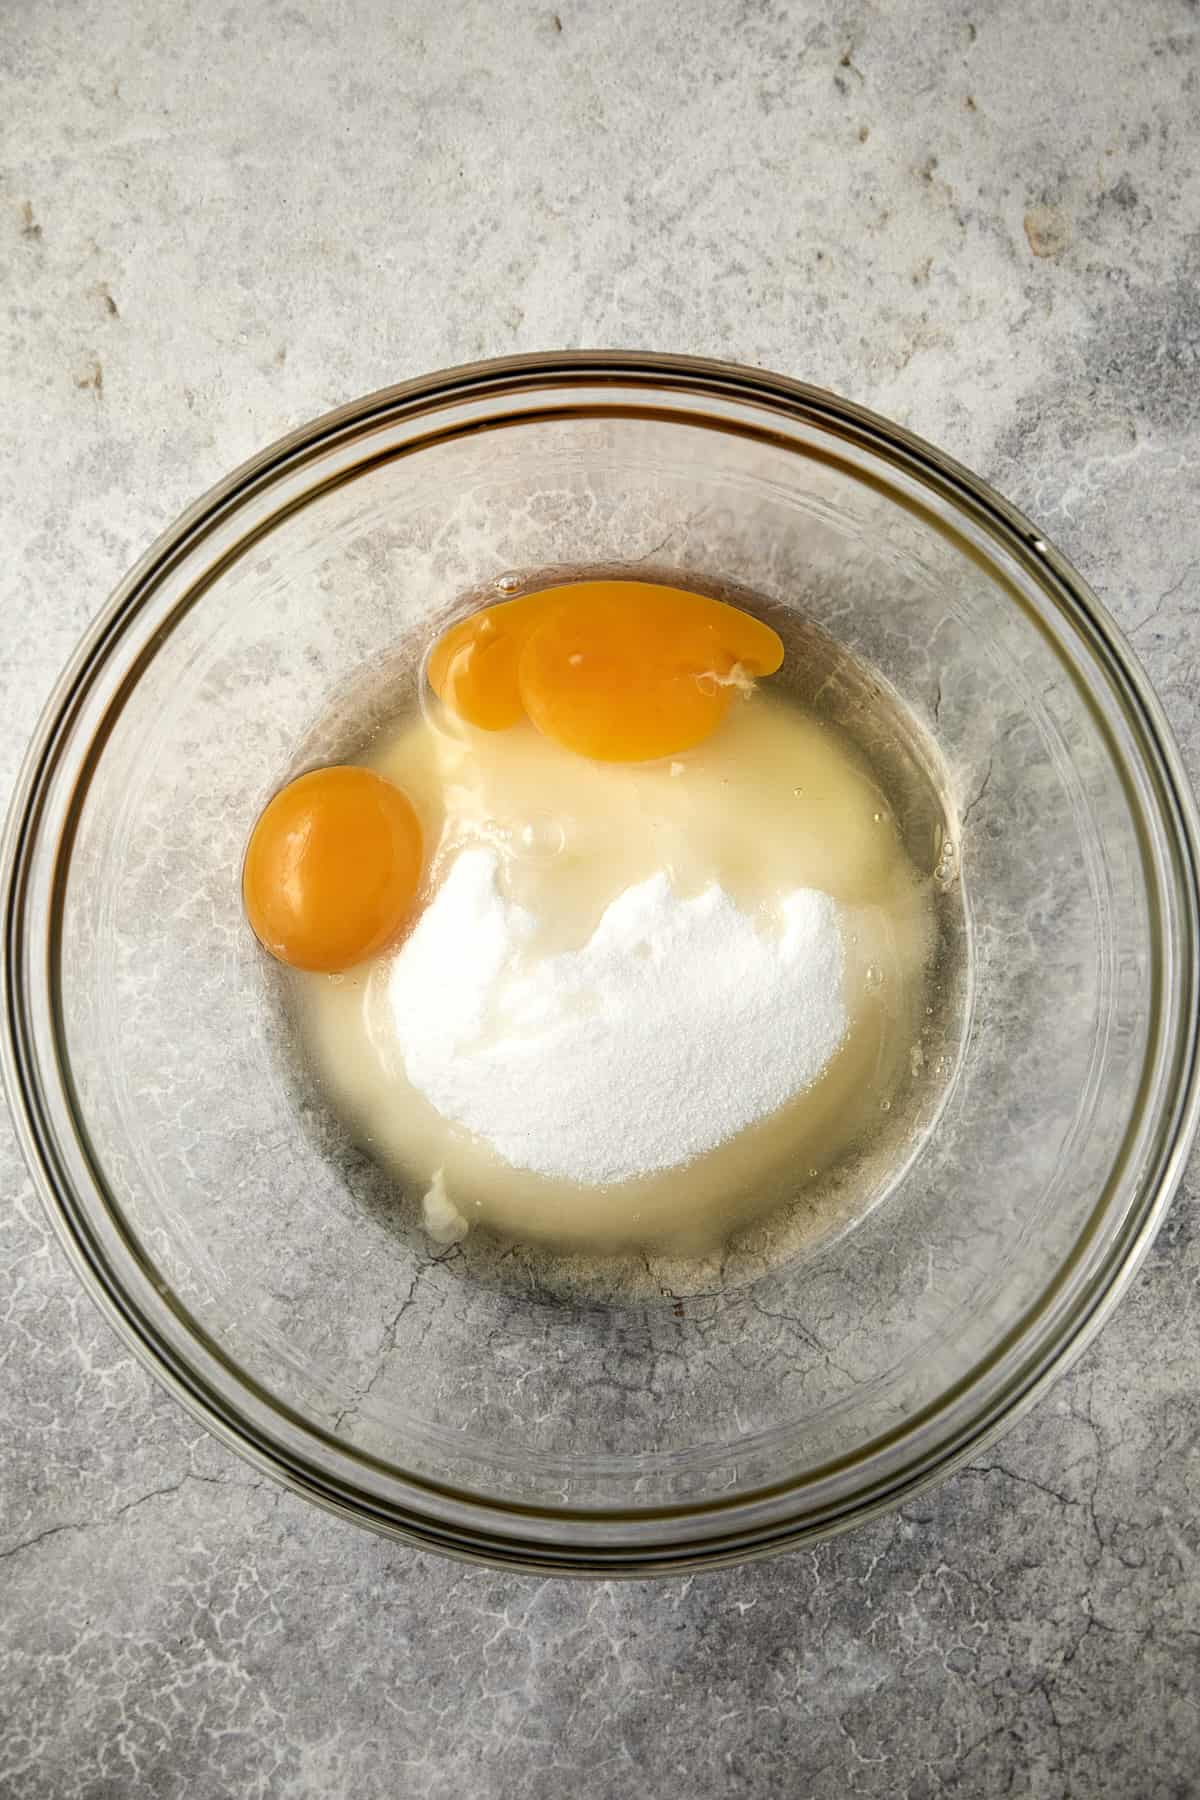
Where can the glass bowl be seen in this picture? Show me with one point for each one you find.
(259, 1264)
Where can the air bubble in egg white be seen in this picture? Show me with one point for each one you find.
(542, 838)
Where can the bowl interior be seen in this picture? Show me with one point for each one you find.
(284, 1273)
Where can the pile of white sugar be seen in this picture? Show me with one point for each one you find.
(679, 1023)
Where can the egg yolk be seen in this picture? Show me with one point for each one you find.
(332, 869)
(473, 666)
(620, 671)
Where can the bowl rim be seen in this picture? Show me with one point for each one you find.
(491, 1530)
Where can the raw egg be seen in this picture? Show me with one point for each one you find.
(473, 666)
(332, 868)
(620, 671)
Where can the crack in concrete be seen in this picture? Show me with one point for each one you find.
(158, 1493)
(979, 793)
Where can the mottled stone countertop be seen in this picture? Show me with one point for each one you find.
(982, 220)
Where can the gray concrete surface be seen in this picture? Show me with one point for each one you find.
(981, 219)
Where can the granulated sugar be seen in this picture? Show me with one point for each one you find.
(679, 1023)
(660, 1066)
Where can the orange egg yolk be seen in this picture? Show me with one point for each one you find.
(332, 869)
(473, 666)
(620, 671)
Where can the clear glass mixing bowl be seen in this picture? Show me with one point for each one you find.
(248, 1254)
